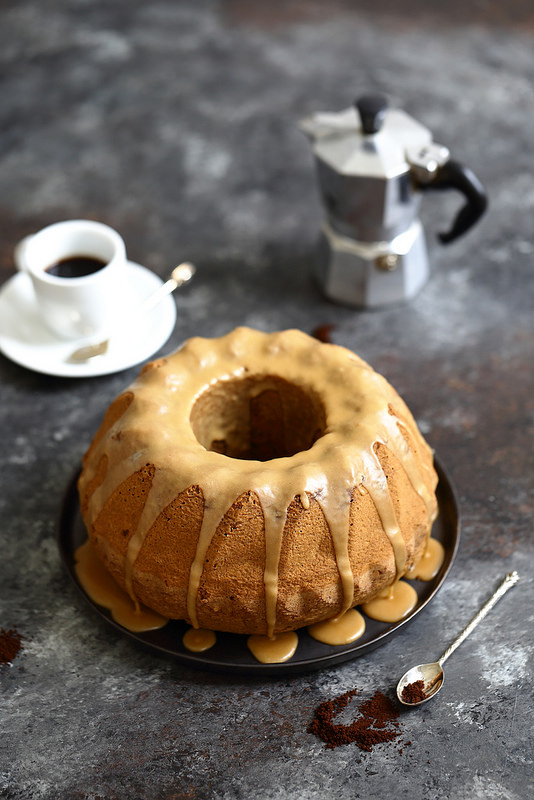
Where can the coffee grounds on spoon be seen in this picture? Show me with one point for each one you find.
(414, 692)
(377, 723)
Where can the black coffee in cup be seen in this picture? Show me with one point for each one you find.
(75, 266)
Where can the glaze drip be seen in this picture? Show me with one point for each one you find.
(349, 411)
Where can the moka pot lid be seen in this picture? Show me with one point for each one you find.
(368, 139)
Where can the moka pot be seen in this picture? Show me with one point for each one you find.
(373, 166)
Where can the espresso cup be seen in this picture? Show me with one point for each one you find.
(76, 268)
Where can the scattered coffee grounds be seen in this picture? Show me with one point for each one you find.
(323, 333)
(10, 644)
(414, 692)
(377, 723)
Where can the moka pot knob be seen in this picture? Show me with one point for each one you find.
(372, 110)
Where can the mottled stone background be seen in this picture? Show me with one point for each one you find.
(176, 122)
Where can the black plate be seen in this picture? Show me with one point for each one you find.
(230, 653)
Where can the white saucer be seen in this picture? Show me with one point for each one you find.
(25, 339)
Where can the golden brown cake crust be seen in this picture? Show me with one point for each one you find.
(257, 483)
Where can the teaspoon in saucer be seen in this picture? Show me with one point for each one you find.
(180, 275)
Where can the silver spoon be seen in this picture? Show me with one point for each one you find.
(432, 674)
(180, 275)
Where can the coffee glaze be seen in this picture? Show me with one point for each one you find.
(197, 640)
(104, 590)
(430, 563)
(393, 604)
(273, 649)
(355, 411)
(344, 629)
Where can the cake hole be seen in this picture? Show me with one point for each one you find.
(258, 418)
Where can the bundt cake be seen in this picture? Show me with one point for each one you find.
(257, 483)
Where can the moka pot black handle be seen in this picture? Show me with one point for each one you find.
(453, 175)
